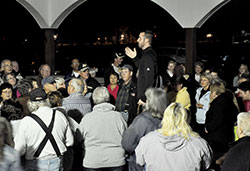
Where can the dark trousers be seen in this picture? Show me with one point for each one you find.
(119, 168)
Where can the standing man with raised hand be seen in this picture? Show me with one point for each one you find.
(147, 64)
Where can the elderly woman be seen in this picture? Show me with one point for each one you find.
(202, 98)
(147, 121)
(9, 158)
(174, 146)
(102, 131)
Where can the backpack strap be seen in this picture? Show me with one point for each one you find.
(48, 135)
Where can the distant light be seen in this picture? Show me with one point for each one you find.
(209, 35)
(25, 40)
(55, 36)
(122, 36)
(98, 38)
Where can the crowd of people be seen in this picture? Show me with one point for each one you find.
(139, 119)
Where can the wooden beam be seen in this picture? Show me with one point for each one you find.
(50, 49)
(190, 49)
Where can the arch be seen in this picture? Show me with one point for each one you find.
(191, 14)
(49, 14)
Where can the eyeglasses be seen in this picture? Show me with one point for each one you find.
(11, 78)
(75, 63)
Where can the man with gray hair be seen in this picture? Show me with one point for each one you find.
(43, 150)
(102, 131)
(238, 158)
(76, 100)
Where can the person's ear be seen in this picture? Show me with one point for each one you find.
(131, 73)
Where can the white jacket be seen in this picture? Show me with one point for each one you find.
(204, 100)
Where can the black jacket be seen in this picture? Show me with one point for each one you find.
(148, 70)
(219, 122)
(238, 158)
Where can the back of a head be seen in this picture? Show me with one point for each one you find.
(5, 135)
(218, 87)
(156, 101)
(11, 110)
(55, 98)
(244, 86)
(77, 84)
(243, 122)
(174, 122)
(100, 95)
(24, 87)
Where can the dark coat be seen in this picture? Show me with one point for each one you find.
(148, 70)
(219, 123)
(131, 104)
(92, 83)
(238, 158)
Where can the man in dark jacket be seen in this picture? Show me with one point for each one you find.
(126, 97)
(238, 158)
(147, 64)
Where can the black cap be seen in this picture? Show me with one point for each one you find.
(83, 67)
(38, 94)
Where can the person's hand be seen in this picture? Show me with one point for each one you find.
(199, 106)
(140, 102)
(220, 160)
(206, 130)
(130, 53)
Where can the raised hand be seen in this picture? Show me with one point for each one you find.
(130, 53)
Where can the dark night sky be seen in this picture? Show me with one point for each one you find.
(96, 18)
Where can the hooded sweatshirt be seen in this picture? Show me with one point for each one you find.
(173, 153)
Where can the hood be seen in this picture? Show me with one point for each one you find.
(172, 143)
(104, 107)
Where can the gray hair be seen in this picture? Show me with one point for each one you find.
(100, 95)
(34, 105)
(59, 80)
(156, 102)
(78, 85)
(243, 122)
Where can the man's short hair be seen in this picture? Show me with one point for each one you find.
(199, 64)
(4, 86)
(100, 95)
(77, 84)
(148, 35)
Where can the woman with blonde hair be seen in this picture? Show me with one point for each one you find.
(174, 146)
(9, 157)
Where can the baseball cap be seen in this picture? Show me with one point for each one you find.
(38, 94)
(119, 55)
(127, 66)
(83, 67)
(49, 79)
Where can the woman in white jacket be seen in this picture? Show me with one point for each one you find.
(202, 98)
